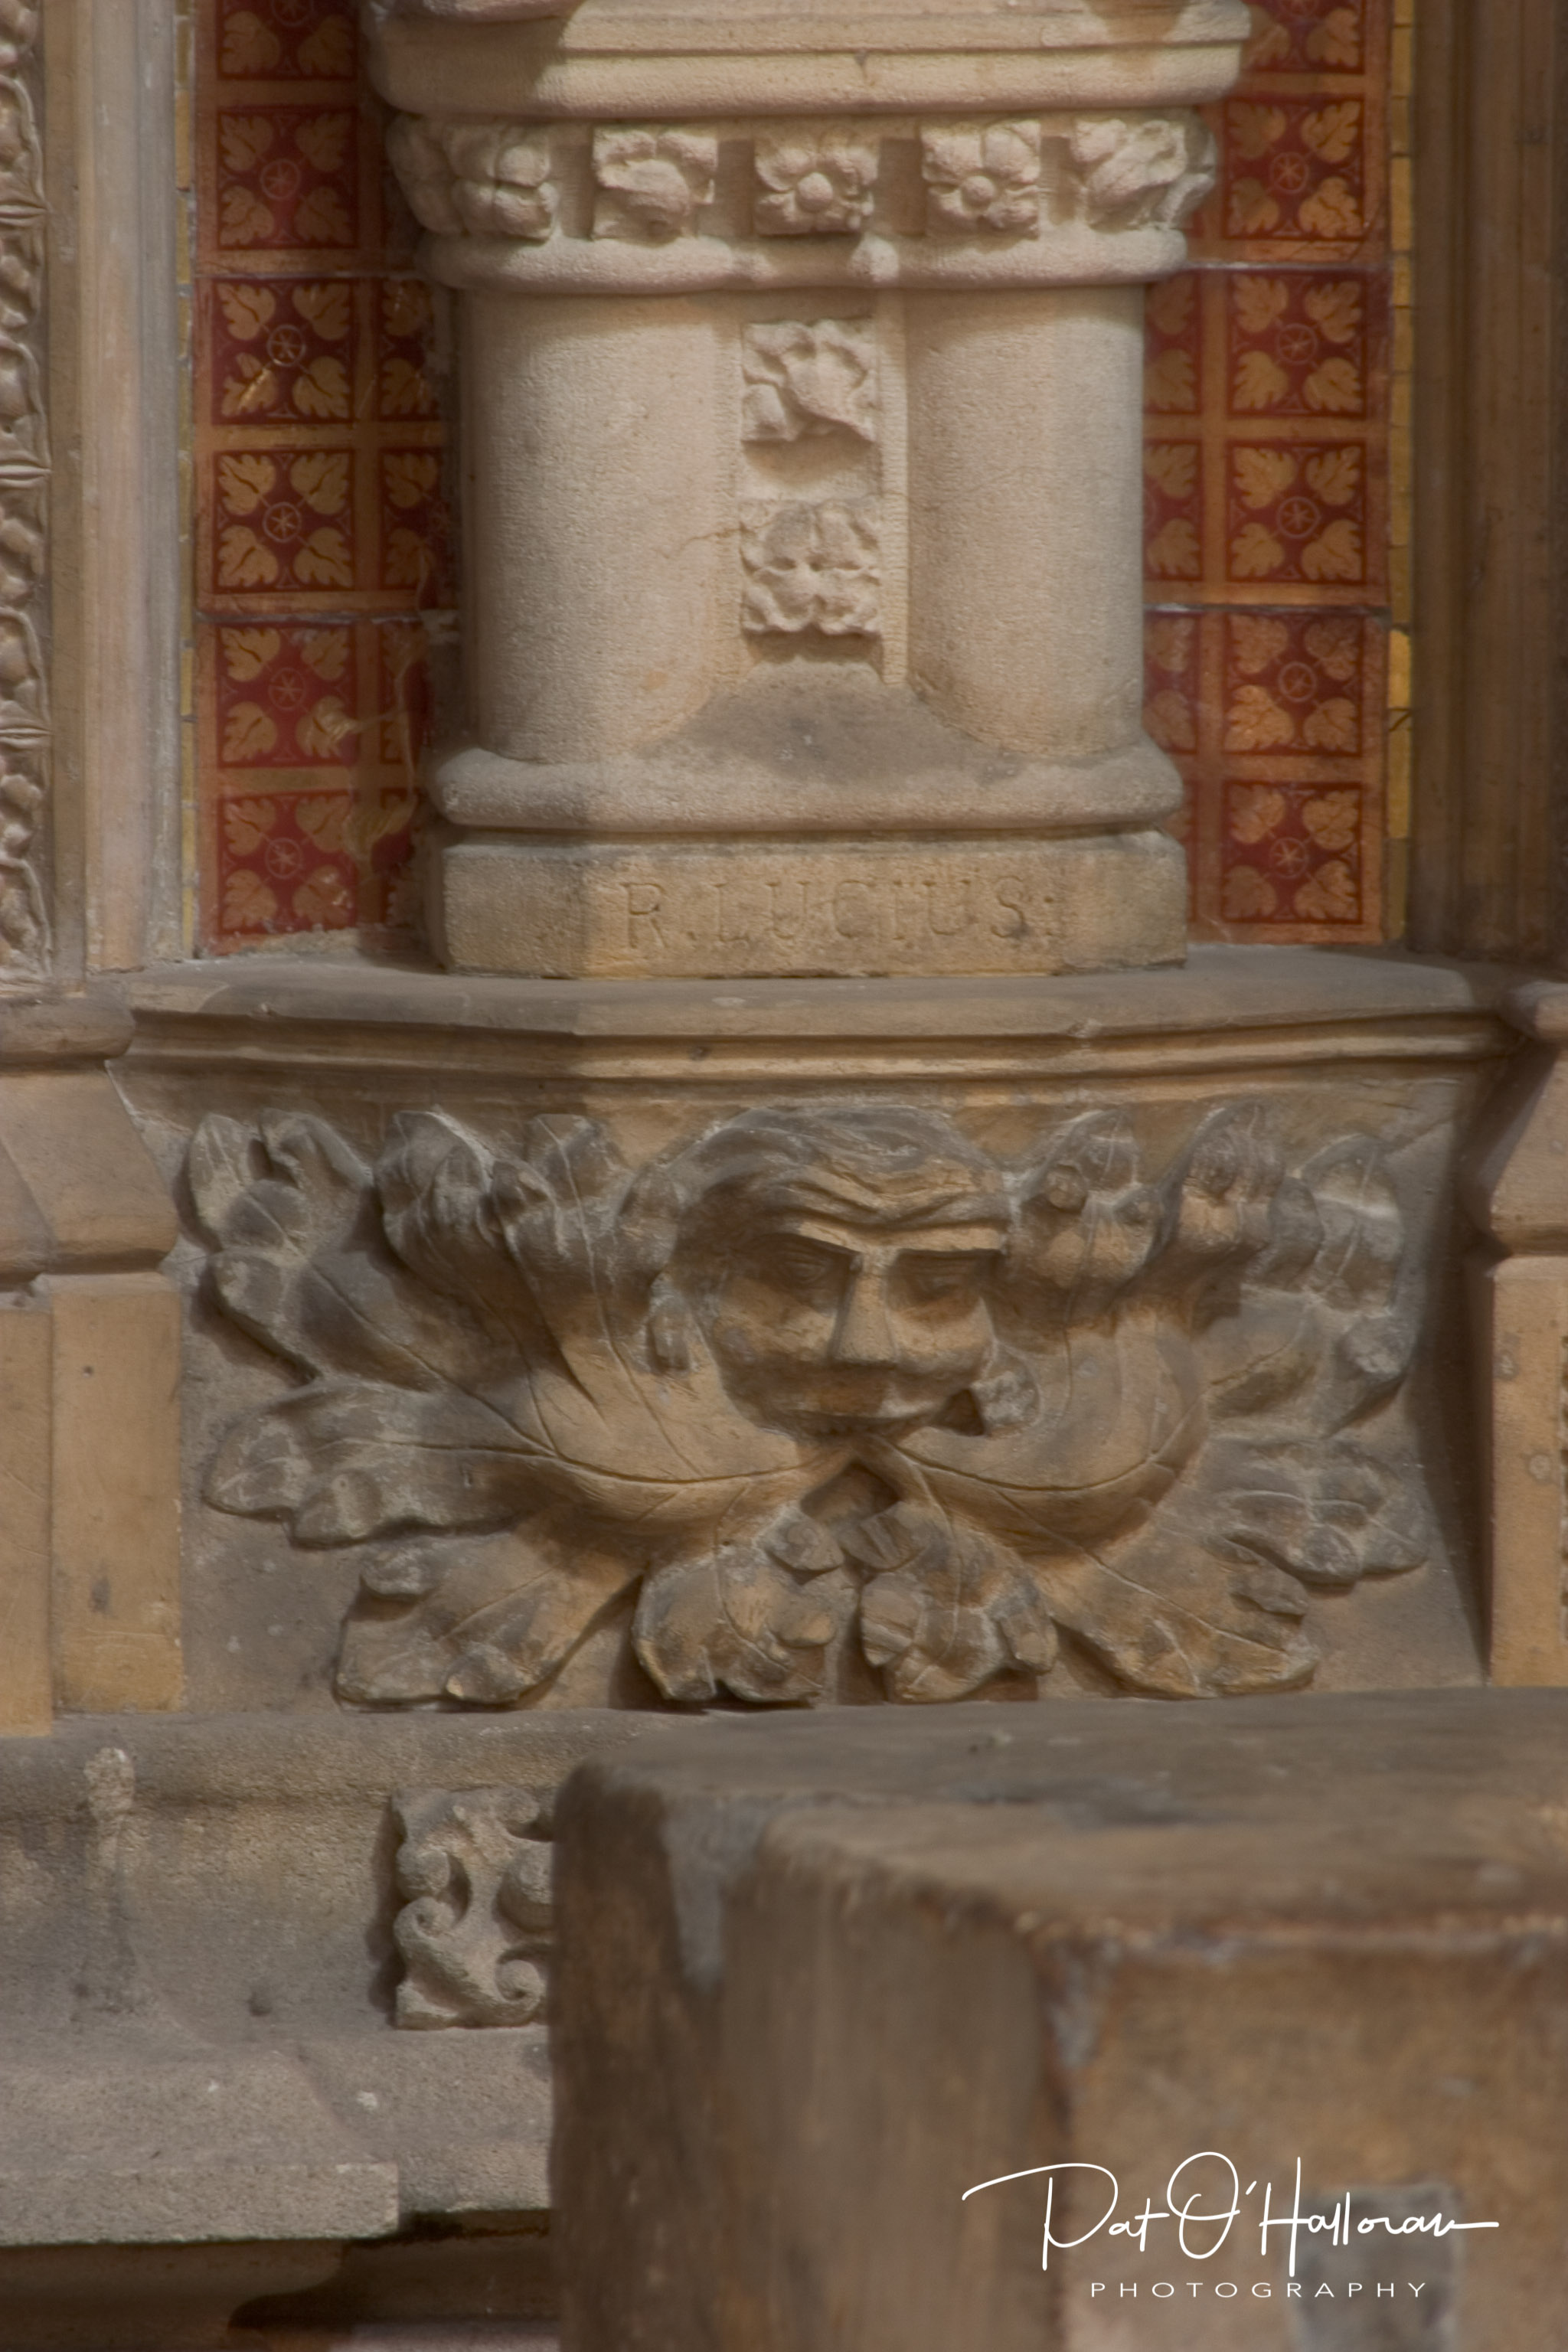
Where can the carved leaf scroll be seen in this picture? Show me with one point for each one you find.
(475, 1926)
(824, 1395)
(26, 725)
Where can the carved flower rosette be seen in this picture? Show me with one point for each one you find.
(830, 1403)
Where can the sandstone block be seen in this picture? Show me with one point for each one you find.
(116, 1529)
(819, 1983)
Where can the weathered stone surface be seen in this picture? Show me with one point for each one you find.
(179, 2149)
(883, 1960)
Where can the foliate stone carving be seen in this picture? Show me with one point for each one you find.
(805, 381)
(474, 1929)
(652, 183)
(853, 1407)
(487, 179)
(1148, 171)
(25, 731)
(818, 180)
(982, 178)
(811, 567)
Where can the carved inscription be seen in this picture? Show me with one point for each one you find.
(904, 909)
(25, 725)
(474, 1928)
(818, 180)
(828, 1400)
(652, 183)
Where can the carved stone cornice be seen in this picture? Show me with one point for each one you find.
(631, 58)
(858, 202)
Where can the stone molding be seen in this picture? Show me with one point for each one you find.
(873, 203)
(604, 57)
(26, 723)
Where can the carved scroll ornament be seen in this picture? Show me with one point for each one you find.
(849, 1405)
(475, 1927)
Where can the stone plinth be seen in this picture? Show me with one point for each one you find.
(820, 1982)
(803, 357)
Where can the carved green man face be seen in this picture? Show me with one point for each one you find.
(847, 1269)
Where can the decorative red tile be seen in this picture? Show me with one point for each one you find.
(1309, 37)
(1300, 682)
(288, 178)
(406, 356)
(1295, 171)
(1172, 506)
(282, 520)
(1174, 368)
(280, 349)
(415, 526)
(284, 865)
(286, 40)
(1293, 855)
(403, 696)
(1297, 510)
(1304, 344)
(285, 697)
(1173, 680)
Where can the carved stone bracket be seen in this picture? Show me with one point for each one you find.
(826, 1403)
(474, 1927)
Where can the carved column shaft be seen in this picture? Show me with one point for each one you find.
(803, 455)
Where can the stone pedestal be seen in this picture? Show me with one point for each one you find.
(852, 2014)
(802, 362)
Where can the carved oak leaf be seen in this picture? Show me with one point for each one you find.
(302, 1265)
(754, 1618)
(1148, 1617)
(347, 1460)
(1121, 1415)
(1327, 1514)
(947, 1609)
(496, 1620)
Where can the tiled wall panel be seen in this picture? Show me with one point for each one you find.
(1275, 590)
(322, 545)
(323, 542)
